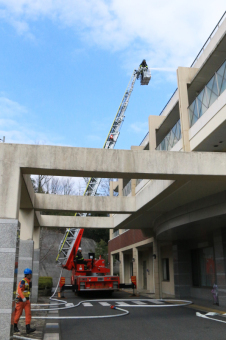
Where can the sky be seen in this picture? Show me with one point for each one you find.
(65, 65)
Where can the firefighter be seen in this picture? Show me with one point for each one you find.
(143, 64)
(23, 301)
(79, 257)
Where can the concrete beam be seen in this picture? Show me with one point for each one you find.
(85, 203)
(84, 162)
(50, 221)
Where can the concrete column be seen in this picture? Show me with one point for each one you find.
(184, 77)
(135, 266)
(120, 187)
(111, 195)
(10, 184)
(156, 266)
(154, 123)
(182, 269)
(121, 267)
(8, 274)
(36, 259)
(112, 265)
(26, 218)
(219, 245)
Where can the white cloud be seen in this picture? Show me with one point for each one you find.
(166, 33)
(17, 124)
(139, 127)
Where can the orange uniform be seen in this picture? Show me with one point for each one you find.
(23, 292)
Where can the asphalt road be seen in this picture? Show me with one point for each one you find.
(176, 323)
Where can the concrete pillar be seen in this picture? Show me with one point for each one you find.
(154, 123)
(219, 254)
(10, 184)
(120, 187)
(182, 269)
(112, 265)
(111, 195)
(8, 275)
(121, 267)
(184, 77)
(156, 267)
(135, 266)
(26, 218)
(36, 259)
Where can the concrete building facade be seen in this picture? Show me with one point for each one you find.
(180, 249)
(167, 224)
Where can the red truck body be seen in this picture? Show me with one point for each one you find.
(91, 276)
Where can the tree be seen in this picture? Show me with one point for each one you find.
(102, 249)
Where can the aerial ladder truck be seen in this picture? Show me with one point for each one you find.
(95, 276)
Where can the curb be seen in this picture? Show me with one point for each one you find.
(205, 309)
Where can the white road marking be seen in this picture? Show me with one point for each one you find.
(51, 336)
(87, 304)
(105, 304)
(156, 302)
(139, 302)
(122, 303)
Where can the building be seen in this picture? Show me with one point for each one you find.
(175, 240)
(168, 222)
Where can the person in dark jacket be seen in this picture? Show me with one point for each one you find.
(143, 64)
(79, 257)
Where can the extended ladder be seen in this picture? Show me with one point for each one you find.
(112, 137)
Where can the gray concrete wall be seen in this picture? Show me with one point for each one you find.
(26, 253)
(8, 275)
(35, 276)
(219, 244)
(49, 245)
(182, 269)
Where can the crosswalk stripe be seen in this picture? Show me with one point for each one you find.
(139, 302)
(87, 304)
(122, 303)
(105, 304)
(156, 302)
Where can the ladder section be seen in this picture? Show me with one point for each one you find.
(113, 134)
(69, 243)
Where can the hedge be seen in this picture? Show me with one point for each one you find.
(45, 282)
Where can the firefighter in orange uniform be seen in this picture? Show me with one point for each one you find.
(23, 301)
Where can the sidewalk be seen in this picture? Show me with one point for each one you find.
(39, 324)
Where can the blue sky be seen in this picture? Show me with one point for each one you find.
(65, 65)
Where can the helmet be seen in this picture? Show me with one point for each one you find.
(79, 248)
(27, 271)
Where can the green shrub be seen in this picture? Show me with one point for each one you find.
(45, 282)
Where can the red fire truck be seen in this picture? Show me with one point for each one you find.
(93, 275)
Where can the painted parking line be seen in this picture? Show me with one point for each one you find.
(105, 304)
(87, 304)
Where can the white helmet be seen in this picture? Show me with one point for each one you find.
(79, 248)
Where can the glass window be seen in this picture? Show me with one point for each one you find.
(171, 138)
(203, 267)
(208, 95)
(165, 270)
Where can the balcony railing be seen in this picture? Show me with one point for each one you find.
(127, 189)
(171, 138)
(208, 95)
(116, 233)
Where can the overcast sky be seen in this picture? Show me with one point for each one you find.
(65, 64)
